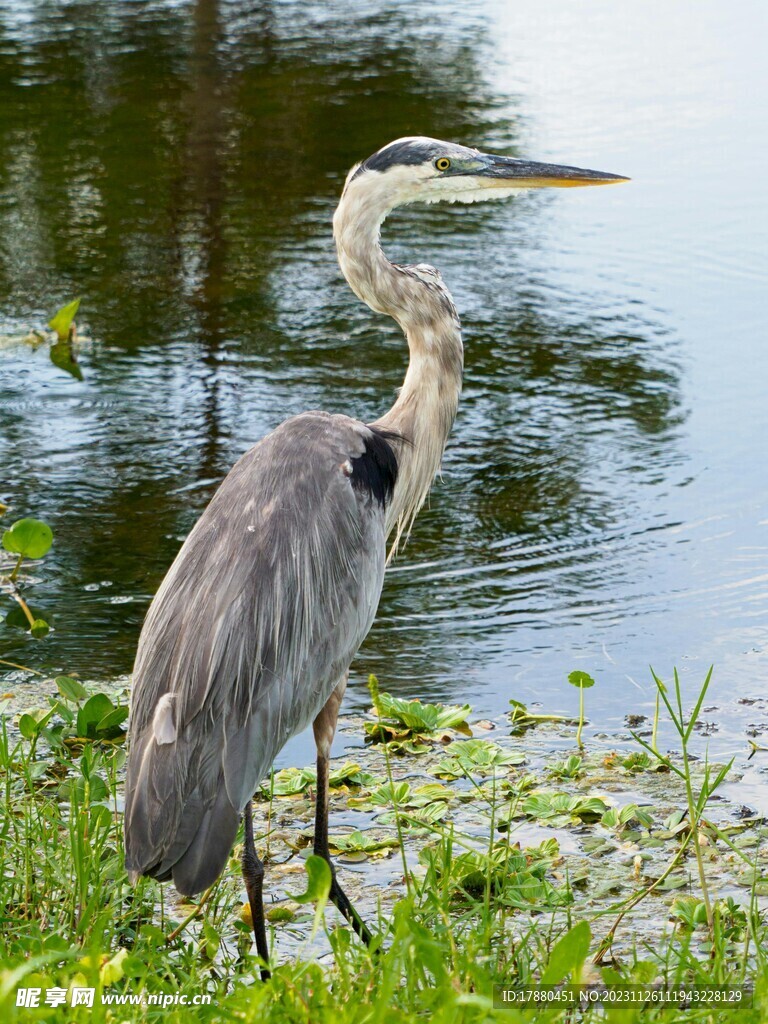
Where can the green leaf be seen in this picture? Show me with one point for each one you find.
(568, 769)
(591, 807)
(427, 794)
(153, 935)
(318, 882)
(700, 914)
(62, 320)
(349, 774)
(451, 715)
(568, 954)
(516, 877)
(361, 842)
(318, 888)
(581, 679)
(405, 719)
(63, 356)
(32, 723)
(210, 941)
(387, 795)
(480, 756)
(562, 807)
(417, 817)
(699, 701)
(28, 727)
(279, 915)
(133, 967)
(536, 806)
(638, 761)
(112, 971)
(611, 818)
(39, 629)
(109, 726)
(289, 781)
(673, 882)
(71, 689)
(95, 788)
(91, 713)
(18, 619)
(30, 538)
(415, 715)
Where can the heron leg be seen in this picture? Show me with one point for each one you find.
(324, 727)
(253, 876)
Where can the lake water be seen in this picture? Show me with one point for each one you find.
(604, 502)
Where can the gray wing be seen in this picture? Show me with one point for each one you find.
(259, 616)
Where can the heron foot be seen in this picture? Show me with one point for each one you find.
(341, 901)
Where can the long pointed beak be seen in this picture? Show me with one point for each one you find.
(508, 172)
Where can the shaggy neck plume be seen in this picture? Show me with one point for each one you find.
(419, 301)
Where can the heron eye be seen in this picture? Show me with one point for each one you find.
(442, 163)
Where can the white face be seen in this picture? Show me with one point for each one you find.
(445, 174)
(418, 169)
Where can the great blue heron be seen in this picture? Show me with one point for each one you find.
(251, 634)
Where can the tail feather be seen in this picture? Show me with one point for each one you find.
(152, 810)
(206, 855)
(178, 818)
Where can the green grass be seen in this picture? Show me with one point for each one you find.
(473, 909)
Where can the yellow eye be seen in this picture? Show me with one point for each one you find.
(442, 163)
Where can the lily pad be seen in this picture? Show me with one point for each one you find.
(30, 538)
(583, 680)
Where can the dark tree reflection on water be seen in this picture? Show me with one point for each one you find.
(177, 166)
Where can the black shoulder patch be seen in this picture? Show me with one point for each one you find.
(375, 471)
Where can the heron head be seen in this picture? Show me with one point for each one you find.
(418, 169)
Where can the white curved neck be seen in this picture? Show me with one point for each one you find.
(419, 301)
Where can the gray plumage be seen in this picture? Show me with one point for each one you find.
(251, 634)
(277, 584)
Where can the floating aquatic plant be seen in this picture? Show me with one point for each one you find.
(63, 353)
(570, 768)
(291, 781)
(619, 818)
(523, 719)
(26, 539)
(560, 809)
(480, 757)
(517, 878)
(583, 681)
(410, 726)
(364, 844)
